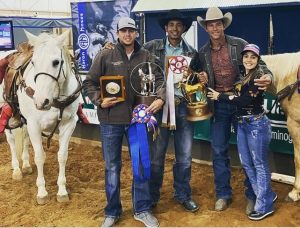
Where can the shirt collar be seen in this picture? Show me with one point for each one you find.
(170, 45)
(222, 44)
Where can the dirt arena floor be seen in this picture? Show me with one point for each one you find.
(85, 182)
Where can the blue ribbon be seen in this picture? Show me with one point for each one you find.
(138, 141)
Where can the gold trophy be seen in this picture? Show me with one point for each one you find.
(195, 94)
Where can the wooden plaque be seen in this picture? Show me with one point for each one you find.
(112, 86)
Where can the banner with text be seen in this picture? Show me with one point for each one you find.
(94, 23)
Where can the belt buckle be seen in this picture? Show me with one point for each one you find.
(229, 93)
(177, 100)
(240, 119)
(249, 119)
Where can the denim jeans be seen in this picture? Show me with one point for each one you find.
(112, 136)
(221, 123)
(183, 140)
(253, 140)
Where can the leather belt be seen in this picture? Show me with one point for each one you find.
(250, 118)
(229, 93)
(178, 100)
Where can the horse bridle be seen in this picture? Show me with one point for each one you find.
(50, 75)
(61, 105)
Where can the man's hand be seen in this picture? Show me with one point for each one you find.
(263, 82)
(203, 77)
(109, 102)
(109, 45)
(213, 95)
(155, 106)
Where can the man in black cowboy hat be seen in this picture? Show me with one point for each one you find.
(221, 59)
(175, 24)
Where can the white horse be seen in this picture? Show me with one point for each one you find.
(18, 140)
(53, 104)
(285, 68)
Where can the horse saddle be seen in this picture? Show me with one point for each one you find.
(17, 63)
(3, 66)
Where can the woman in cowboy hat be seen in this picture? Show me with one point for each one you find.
(220, 58)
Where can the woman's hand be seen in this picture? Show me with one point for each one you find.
(213, 95)
(263, 82)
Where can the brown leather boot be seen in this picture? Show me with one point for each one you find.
(6, 113)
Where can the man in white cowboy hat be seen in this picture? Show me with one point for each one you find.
(220, 59)
(174, 23)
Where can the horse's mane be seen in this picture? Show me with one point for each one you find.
(284, 67)
(68, 58)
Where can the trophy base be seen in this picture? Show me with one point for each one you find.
(198, 111)
(147, 100)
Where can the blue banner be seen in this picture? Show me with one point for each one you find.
(94, 23)
(83, 39)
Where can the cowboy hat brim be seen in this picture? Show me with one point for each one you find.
(187, 22)
(227, 19)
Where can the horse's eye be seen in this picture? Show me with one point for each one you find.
(32, 63)
(55, 63)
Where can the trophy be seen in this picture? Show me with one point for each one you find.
(195, 94)
(113, 86)
(143, 82)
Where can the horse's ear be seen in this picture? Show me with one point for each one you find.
(61, 39)
(31, 38)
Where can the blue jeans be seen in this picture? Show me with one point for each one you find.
(221, 123)
(112, 136)
(253, 138)
(183, 140)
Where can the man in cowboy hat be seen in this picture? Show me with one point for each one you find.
(221, 58)
(175, 24)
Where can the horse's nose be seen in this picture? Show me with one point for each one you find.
(46, 102)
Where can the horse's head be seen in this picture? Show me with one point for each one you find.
(50, 67)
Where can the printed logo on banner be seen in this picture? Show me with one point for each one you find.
(83, 41)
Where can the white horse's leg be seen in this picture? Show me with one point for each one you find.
(39, 159)
(293, 127)
(26, 168)
(10, 137)
(65, 133)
